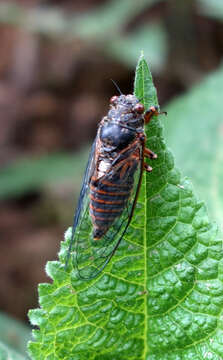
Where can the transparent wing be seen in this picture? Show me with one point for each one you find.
(83, 197)
(91, 256)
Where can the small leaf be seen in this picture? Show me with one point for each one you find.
(161, 296)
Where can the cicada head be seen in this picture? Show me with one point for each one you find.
(127, 110)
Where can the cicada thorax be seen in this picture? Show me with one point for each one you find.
(117, 159)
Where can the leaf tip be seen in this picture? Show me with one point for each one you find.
(141, 58)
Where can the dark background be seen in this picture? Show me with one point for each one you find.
(56, 62)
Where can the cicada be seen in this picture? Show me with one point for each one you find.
(111, 184)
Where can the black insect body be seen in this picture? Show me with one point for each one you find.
(116, 136)
(111, 184)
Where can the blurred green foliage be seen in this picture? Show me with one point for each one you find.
(6, 353)
(211, 8)
(194, 130)
(14, 335)
(151, 38)
(35, 173)
(109, 18)
(105, 26)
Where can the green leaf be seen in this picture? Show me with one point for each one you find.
(161, 296)
(199, 153)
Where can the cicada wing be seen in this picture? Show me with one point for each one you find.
(91, 256)
(83, 201)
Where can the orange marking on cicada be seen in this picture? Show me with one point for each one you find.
(124, 169)
(101, 218)
(105, 201)
(113, 185)
(123, 193)
(105, 210)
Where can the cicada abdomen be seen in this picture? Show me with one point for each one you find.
(113, 180)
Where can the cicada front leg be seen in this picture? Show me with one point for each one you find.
(153, 110)
(146, 152)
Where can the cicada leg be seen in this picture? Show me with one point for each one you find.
(153, 110)
(119, 157)
(146, 152)
(147, 167)
(149, 154)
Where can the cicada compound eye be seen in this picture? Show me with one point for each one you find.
(113, 100)
(139, 108)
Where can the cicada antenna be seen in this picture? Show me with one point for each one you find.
(117, 87)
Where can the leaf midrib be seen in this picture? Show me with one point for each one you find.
(145, 245)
